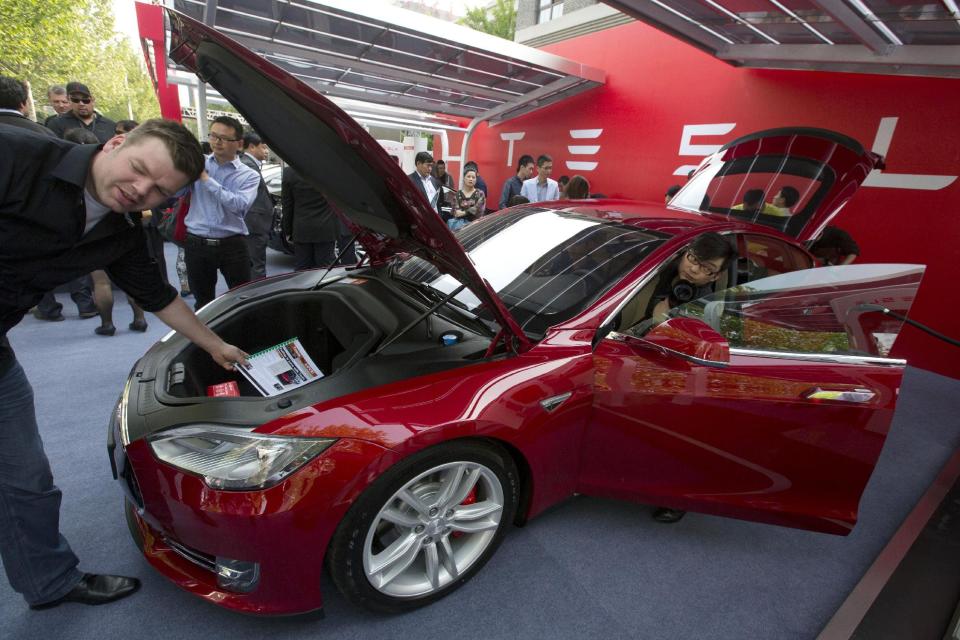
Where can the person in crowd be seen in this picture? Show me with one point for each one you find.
(577, 189)
(422, 178)
(481, 183)
(13, 110)
(688, 277)
(259, 218)
(308, 221)
(13, 106)
(66, 209)
(787, 197)
(58, 100)
(215, 224)
(346, 245)
(541, 187)
(754, 202)
(471, 202)
(835, 247)
(441, 175)
(102, 287)
(514, 183)
(562, 185)
(672, 190)
(518, 199)
(83, 115)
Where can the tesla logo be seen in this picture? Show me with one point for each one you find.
(511, 138)
(877, 178)
(687, 148)
(583, 149)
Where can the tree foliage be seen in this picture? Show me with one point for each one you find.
(50, 42)
(500, 19)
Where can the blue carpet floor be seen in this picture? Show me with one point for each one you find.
(586, 569)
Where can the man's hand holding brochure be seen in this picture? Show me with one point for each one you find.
(280, 368)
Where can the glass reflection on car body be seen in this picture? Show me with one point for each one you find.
(546, 266)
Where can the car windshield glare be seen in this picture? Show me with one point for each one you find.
(546, 266)
(782, 192)
(828, 310)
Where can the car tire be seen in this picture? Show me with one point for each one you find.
(425, 527)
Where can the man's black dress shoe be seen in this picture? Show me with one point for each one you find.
(668, 516)
(88, 313)
(57, 317)
(95, 589)
(138, 325)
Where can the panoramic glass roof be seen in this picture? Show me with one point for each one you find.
(386, 55)
(897, 37)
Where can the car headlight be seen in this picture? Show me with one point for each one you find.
(233, 458)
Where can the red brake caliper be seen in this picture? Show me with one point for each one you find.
(470, 499)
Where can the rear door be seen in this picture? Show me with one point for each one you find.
(788, 431)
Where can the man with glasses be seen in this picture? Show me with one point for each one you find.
(689, 277)
(82, 115)
(219, 202)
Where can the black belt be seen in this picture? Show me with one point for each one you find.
(210, 242)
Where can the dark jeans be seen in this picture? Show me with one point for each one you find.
(38, 560)
(204, 258)
(81, 292)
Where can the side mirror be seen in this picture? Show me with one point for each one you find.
(692, 338)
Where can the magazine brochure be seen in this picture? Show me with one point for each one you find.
(280, 368)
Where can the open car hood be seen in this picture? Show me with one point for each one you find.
(331, 150)
(825, 168)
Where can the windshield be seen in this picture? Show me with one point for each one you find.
(546, 266)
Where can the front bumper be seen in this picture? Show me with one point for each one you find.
(182, 526)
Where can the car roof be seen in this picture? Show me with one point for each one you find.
(655, 216)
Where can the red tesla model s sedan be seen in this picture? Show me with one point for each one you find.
(468, 382)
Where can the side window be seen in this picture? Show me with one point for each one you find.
(762, 256)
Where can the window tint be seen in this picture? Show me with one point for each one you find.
(812, 311)
(762, 256)
(744, 188)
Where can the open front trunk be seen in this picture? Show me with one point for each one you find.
(340, 327)
(333, 333)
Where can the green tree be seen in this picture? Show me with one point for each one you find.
(500, 19)
(48, 42)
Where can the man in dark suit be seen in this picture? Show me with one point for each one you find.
(309, 221)
(427, 184)
(259, 217)
(13, 106)
(13, 109)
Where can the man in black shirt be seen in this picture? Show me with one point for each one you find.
(82, 115)
(57, 221)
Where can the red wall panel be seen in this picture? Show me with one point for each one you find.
(656, 86)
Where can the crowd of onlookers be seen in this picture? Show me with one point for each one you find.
(459, 207)
(222, 221)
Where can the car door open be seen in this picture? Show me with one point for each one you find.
(769, 401)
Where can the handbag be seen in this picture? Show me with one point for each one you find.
(171, 225)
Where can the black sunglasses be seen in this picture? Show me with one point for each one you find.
(79, 100)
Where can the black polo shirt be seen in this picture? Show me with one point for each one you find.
(42, 217)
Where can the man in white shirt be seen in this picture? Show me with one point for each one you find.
(427, 184)
(541, 188)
